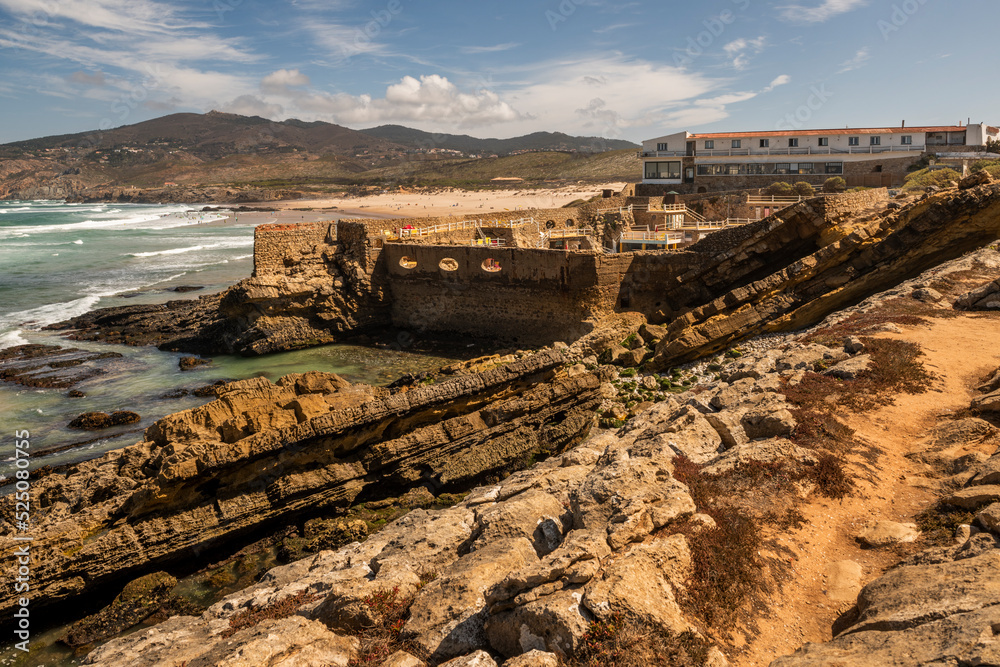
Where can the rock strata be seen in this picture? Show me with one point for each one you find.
(263, 452)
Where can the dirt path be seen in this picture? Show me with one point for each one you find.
(960, 350)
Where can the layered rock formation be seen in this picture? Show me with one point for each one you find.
(837, 260)
(265, 453)
(520, 569)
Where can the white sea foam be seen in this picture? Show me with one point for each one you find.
(173, 251)
(12, 339)
(242, 257)
(51, 313)
(78, 242)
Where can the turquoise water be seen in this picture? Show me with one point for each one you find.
(59, 260)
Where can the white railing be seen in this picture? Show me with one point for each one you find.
(488, 242)
(462, 225)
(683, 153)
(810, 150)
(651, 237)
(735, 222)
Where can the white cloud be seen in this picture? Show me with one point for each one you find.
(825, 11)
(249, 105)
(778, 81)
(431, 100)
(490, 49)
(131, 16)
(283, 80)
(859, 59)
(741, 50)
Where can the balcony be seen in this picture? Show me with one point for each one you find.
(663, 154)
(811, 150)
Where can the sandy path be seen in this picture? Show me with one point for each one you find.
(960, 351)
(457, 202)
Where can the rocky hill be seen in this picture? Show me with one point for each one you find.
(231, 152)
(537, 141)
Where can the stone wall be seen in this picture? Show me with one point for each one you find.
(531, 296)
(277, 247)
(851, 202)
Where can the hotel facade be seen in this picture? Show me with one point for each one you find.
(871, 157)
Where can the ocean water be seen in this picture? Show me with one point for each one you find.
(60, 260)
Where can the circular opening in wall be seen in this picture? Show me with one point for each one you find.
(570, 223)
(490, 265)
(408, 263)
(550, 224)
(448, 264)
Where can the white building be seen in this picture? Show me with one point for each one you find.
(720, 159)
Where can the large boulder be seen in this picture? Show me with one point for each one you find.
(448, 614)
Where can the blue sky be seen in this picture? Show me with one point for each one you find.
(630, 70)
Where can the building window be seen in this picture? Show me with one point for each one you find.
(782, 168)
(765, 143)
(824, 141)
(663, 170)
(755, 169)
(793, 143)
(835, 167)
(854, 141)
(906, 140)
(806, 168)
(709, 145)
(661, 147)
(737, 143)
(875, 141)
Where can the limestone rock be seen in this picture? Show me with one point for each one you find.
(975, 179)
(886, 533)
(974, 497)
(534, 515)
(986, 297)
(853, 345)
(961, 639)
(850, 369)
(991, 384)
(534, 658)
(927, 295)
(989, 518)
(766, 451)
(477, 659)
(911, 595)
(640, 585)
(289, 642)
(403, 659)
(987, 403)
(554, 623)
(801, 357)
(987, 472)
(447, 615)
(768, 423)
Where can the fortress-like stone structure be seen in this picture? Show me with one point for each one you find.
(315, 282)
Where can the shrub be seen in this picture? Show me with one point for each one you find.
(925, 178)
(780, 189)
(834, 184)
(384, 636)
(804, 189)
(283, 608)
(627, 373)
(616, 642)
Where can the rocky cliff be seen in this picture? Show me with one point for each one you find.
(265, 453)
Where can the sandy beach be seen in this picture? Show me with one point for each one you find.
(437, 203)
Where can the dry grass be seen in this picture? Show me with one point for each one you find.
(619, 643)
(385, 636)
(284, 608)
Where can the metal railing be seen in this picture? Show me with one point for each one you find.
(809, 150)
(488, 242)
(462, 225)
